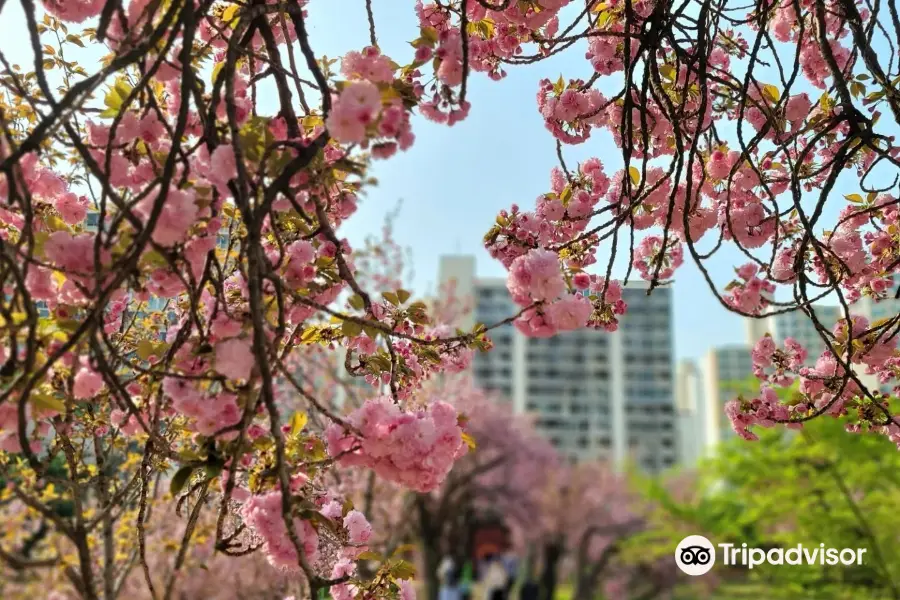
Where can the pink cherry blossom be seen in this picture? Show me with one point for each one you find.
(416, 449)
(72, 208)
(569, 312)
(234, 358)
(535, 276)
(263, 515)
(358, 528)
(87, 384)
(74, 11)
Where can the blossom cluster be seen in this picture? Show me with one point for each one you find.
(830, 386)
(416, 449)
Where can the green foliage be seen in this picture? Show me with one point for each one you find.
(181, 477)
(811, 486)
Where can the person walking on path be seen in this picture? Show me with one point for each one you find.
(511, 565)
(465, 581)
(495, 579)
(449, 577)
(529, 590)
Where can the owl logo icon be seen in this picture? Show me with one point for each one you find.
(695, 555)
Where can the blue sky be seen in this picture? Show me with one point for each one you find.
(453, 181)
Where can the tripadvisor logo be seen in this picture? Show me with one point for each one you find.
(696, 555)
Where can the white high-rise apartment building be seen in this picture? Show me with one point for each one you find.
(595, 395)
(724, 369)
(690, 412)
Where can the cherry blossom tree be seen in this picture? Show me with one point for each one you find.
(171, 251)
(502, 478)
(587, 516)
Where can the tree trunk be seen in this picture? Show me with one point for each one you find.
(587, 576)
(431, 554)
(552, 555)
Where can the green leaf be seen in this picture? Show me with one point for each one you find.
(770, 92)
(181, 477)
(47, 402)
(252, 139)
(559, 86)
(392, 298)
(855, 198)
(229, 14)
(145, 349)
(75, 40)
(357, 302)
(486, 28)
(668, 71)
(69, 325)
(469, 440)
(216, 70)
(351, 329)
(214, 468)
(603, 18)
(311, 335)
(117, 94)
(122, 88)
(298, 422)
(369, 555)
(403, 570)
(403, 295)
(635, 175)
(403, 549)
(430, 35)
